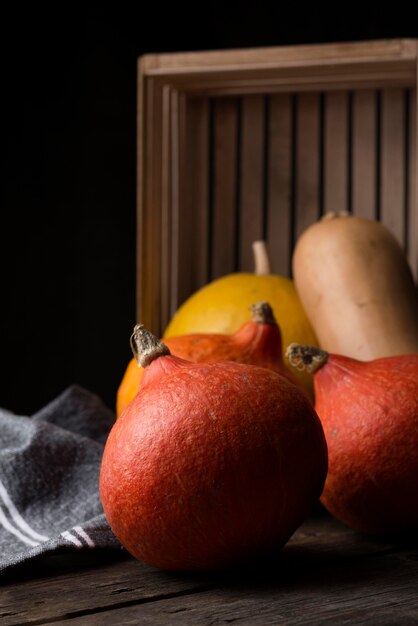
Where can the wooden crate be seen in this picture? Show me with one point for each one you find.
(251, 144)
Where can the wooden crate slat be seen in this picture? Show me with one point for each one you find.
(197, 188)
(141, 175)
(181, 226)
(144, 299)
(412, 231)
(223, 253)
(252, 166)
(166, 207)
(263, 70)
(155, 217)
(328, 54)
(150, 214)
(392, 176)
(174, 191)
(305, 83)
(364, 160)
(336, 151)
(307, 161)
(279, 178)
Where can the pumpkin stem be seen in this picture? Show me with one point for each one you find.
(306, 358)
(146, 347)
(261, 259)
(262, 313)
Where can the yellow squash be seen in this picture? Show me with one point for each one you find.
(223, 305)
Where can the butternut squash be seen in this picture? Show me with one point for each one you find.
(357, 288)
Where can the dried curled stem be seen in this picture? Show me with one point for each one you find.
(306, 358)
(146, 347)
(262, 313)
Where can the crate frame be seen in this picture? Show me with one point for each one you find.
(172, 170)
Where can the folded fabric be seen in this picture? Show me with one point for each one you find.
(49, 476)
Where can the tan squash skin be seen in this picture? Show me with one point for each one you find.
(357, 288)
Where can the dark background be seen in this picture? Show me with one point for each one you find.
(68, 180)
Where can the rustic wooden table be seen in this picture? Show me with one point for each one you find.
(326, 574)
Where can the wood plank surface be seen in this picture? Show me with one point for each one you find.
(364, 157)
(307, 162)
(392, 194)
(279, 176)
(335, 598)
(149, 215)
(251, 177)
(181, 227)
(308, 55)
(336, 151)
(88, 590)
(197, 192)
(412, 242)
(225, 172)
(166, 208)
(346, 65)
(327, 574)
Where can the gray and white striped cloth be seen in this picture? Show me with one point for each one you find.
(49, 471)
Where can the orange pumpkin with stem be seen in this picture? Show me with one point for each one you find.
(257, 342)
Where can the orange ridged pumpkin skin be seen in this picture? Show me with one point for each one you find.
(255, 343)
(369, 412)
(211, 465)
(222, 307)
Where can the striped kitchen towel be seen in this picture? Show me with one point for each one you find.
(49, 472)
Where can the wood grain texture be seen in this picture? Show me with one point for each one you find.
(225, 172)
(336, 151)
(197, 191)
(327, 574)
(309, 56)
(69, 591)
(337, 598)
(150, 213)
(182, 227)
(251, 177)
(412, 243)
(144, 195)
(364, 161)
(315, 67)
(166, 207)
(279, 176)
(392, 177)
(140, 188)
(348, 65)
(307, 162)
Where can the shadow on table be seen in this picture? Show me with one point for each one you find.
(321, 552)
